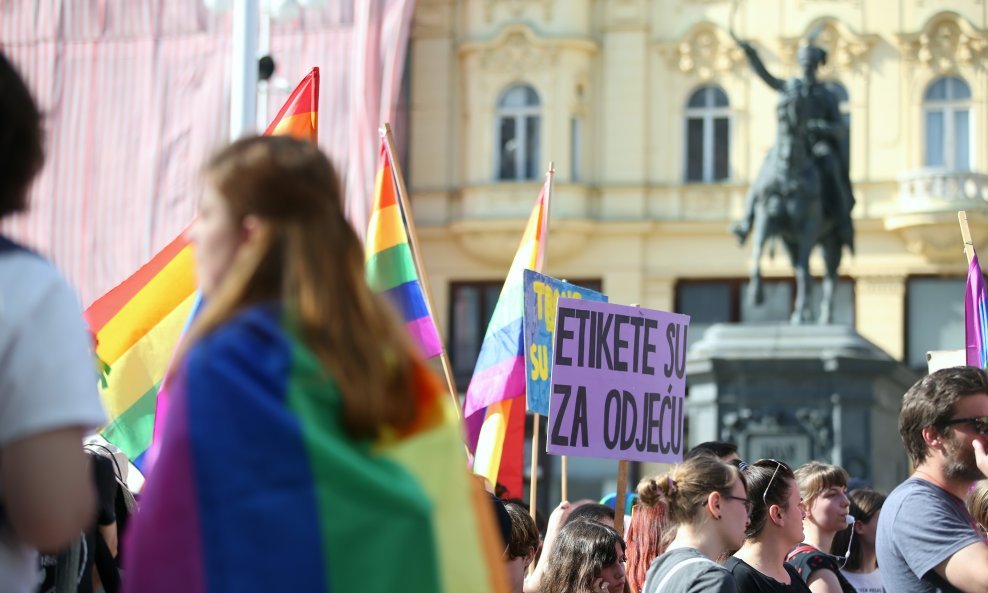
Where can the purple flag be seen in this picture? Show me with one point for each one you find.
(976, 316)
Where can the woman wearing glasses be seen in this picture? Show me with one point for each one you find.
(824, 490)
(707, 503)
(776, 526)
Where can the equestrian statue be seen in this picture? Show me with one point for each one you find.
(802, 195)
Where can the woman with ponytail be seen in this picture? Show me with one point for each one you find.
(646, 531)
(291, 380)
(707, 502)
(776, 526)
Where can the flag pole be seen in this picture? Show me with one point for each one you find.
(966, 236)
(540, 264)
(389, 145)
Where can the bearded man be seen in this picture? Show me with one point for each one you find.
(927, 540)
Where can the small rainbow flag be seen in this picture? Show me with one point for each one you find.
(399, 513)
(499, 376)
(299, 116)
(390, 267)
(137, 325)
(976, 316)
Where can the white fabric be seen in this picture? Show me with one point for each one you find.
(47, 377)
(865, 582)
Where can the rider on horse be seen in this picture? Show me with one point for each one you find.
(824, 133)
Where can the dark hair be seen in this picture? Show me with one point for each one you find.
(582, 550)
(865, 502)
(720, 449)
(524, 534)
(648, 531)
(759, 475)
(503, 519)
(930, 403)
(590, 512)
(21, 140)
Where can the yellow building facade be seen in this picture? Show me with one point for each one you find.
(657, 125)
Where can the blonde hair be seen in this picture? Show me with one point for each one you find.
(977, 503)
(814, 477)
(684, 490)
(308, 258)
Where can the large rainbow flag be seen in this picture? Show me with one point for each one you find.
(976, 316)
(138, 324)
(390, 267)
(494, 415)
(397, 514)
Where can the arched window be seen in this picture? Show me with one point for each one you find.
(843, 103)
(707, 135)
(518, 123)
(947, 113)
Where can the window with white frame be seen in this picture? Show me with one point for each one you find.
(947, 115)
(518, 128)
(707, 135)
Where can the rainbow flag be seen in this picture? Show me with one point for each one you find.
(299, 116)
(390, 267)
(495, 419)
(397, 514)
(976, 316)
(138, 325)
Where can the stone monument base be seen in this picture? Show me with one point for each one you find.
(800, 393)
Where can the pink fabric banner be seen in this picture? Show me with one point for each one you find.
(136, 97)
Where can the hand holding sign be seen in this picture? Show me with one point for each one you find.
(618, 382)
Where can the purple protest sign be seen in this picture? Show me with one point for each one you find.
(618, 382)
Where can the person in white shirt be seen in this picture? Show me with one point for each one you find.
(861, 567)
(48, 393)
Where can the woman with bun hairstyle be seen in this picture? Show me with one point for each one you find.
(707, 503)
(861, 569)
(648, 525)
(823, 487)
(776, 526)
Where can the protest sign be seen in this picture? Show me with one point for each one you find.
(541, 294)
(618, 382)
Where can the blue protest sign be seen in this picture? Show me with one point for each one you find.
(541, 295)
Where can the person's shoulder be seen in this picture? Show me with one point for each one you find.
(26, 276)
(249, 336)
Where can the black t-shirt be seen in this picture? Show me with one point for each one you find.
(806, 559)
(750, 580)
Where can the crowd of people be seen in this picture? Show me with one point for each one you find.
(279, 264)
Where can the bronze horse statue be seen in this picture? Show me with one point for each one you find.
(802, 195)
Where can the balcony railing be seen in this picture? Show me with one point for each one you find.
(936, 190)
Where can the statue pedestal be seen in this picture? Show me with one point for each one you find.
(799, 393)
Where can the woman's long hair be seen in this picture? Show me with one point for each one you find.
(645, 532)
(308, 258)
(582, 550)
(865, 502)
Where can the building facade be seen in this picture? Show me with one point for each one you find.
(657, 125)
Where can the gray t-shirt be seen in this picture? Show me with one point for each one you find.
(698, 575)
(920, 526)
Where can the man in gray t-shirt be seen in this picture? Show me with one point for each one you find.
(921, 525)
(927, 542)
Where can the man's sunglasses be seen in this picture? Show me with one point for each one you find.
(979, 423)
